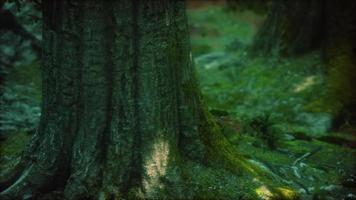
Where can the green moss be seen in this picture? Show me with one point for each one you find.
(28, 75)
(213, 23)
(14, 144)
(217, 183)
(222, 154)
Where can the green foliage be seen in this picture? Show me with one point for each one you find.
(292, 89)
(212, 29)
(261, 126)
(248, 87)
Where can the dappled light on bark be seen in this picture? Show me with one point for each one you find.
(156, 164)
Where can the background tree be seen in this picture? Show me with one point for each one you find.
(121, 110)
(339, 52)
(291, 27)
(295, 28)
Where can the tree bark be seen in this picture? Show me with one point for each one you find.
(121, 109)
(339, 51)
(291, 28)
(120, 103)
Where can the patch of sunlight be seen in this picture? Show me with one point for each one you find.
(256, 180)
(287, 193)
(307, 82)
(155, 164)
(264, 193)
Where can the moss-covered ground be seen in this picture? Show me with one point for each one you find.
(276, 111)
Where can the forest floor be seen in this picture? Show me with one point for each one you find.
(276, 111)
(315, 169)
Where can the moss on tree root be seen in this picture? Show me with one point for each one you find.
(221, 153)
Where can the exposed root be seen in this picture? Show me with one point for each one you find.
(221, 152)
(306, 155)
(26, 185)
(10, 177)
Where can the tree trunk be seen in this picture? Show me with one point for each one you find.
(119, 96)
(121, 109)
(339, 50)
(291, 28)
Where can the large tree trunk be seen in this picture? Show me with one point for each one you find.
(291, 28)
(121, 110)
(119, 97)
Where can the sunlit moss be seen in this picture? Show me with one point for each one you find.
(280, 193)
(307, 82)
(287, 193)
(264, 193)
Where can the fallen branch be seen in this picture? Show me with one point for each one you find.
(306, 155)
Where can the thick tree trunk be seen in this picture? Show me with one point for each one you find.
(120, 103)
(121, 109)
(291, 28)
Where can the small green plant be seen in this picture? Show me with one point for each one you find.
(261, 126)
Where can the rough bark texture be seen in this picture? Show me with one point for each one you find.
(121, 107)
(291, 28)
